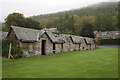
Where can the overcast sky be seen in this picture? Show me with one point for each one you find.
(36, 7)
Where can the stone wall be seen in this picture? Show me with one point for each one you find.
(12, 36)
(88, 46)
(72, 45)
(30, 49)
(58, 48)
(93, 46)
(68, 46)
(77, 47)
(83, 46)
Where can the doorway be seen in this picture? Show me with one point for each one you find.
(53, 47)
(62, 47)
(43, 47)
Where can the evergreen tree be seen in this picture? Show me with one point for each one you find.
(87, 31)
(32, 24)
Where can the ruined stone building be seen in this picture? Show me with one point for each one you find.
(41, 42)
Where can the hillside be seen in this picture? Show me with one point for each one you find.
(82, 11)
(103, 16)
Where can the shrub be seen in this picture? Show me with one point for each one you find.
(15, 51)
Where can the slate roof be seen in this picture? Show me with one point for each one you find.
(115, 32)
(62, 38)
(54, 30)
(27, 34)
(32, 35)
(77, 39)
(58, 38)
(109, 35)
(92, 40)
(103, 33)
(52, 36)
(3, 35)
(89, 40)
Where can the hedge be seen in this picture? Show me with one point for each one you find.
(110, 42)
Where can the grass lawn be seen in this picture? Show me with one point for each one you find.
(98, 63)
(0, 67)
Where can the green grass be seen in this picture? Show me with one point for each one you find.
(98, 63)
(0, 67)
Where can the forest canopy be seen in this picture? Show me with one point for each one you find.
(103, 16)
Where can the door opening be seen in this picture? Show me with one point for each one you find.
(43, 47)
(62, 47)
(53, 47)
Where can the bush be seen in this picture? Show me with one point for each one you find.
(15, 51)
(110, 42)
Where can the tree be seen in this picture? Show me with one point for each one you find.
(15, 19)
(71, 24)
(66, 24)
(18, 19)
(87, 30)
(79, 22)
(32, 24)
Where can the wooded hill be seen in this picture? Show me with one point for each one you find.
(103, 16)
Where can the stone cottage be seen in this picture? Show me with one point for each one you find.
(54, 45)
(93, 45)
(90, 43)
(41, 42)
(78, 42)
(27, 39)
(66, 44)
